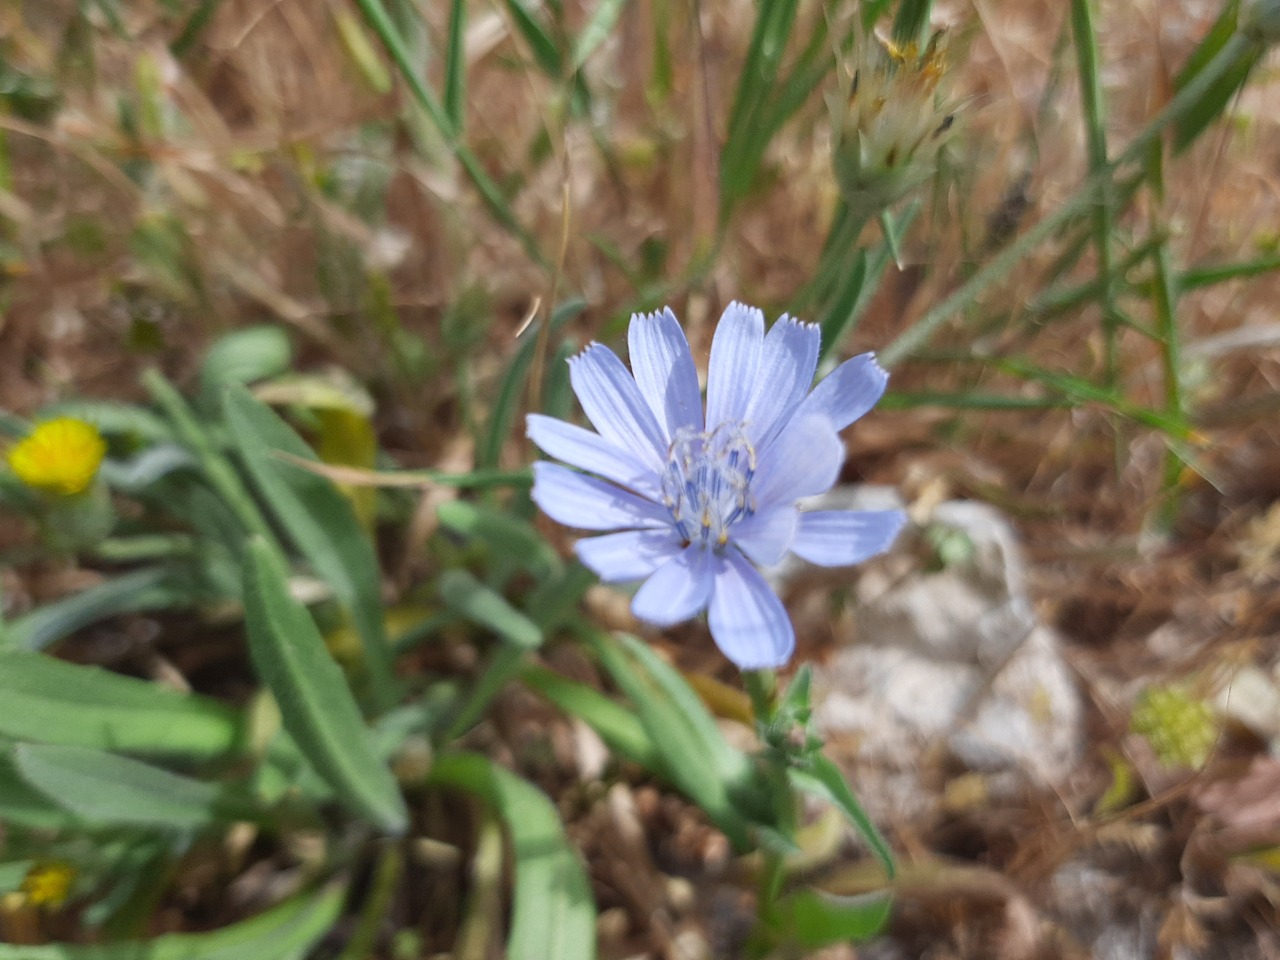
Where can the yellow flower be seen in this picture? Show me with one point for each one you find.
(59, 456)
(47, 884)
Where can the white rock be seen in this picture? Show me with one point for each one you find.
(953, 658)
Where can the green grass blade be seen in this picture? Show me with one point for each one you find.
(1088, 63)
(215, 465)
(376, 15)
(1222, 90)
(774, 22)
(316, 704)
(469, 598)
(21, 805)
(545, 49)
(596, 30)
(553, 913)
(320, 521)
(811, 919)
(1197, 277)
(455, 66)
(1236, 50)
(243, 356)
(51, 701)
(911, 22)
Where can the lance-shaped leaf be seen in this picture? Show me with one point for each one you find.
(285, 932)
(316, 705)
(51, 701)
(553, 914)
(319, 520)
(106, 789)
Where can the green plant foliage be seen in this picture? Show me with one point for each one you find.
(316, 704)
(285, 932)
(320, 521)
(553, 914)
(50, 701)
(103, 788)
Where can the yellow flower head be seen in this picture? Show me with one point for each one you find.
(47, 884)
(59, 456)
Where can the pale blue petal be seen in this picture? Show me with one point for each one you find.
(804, 460)
(766, 535)
(590, 451)
(677, 590)
(583, 502)
(840, 538)
(787, 363)
(748, 622)
(630, 555)
(735, 361)
(847, 392)
(664, 371)
(614, 405)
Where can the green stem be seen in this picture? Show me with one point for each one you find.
(217, 468)
(762, 688)
(386, 876)
(1086, 45)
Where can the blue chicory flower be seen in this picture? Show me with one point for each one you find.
(700, 501)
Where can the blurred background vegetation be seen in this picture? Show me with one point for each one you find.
(1074, 287)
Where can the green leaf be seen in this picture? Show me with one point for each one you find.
(12, 874)
(320, 521)
(375, 14)
(813, 919)
(553, 914)
(316, 705)
(22, 805)
(469, 598)
(50, 701)
(150, 589)
(617, 726)
(823, 779)
(106, 789)
(1209, 106)
(743, 148)
(596, 30)
(540, 41)
(285, 932)
(695, 755)
(455, 66)
(509, 536)
(244, 356)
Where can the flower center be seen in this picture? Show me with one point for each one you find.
(707, 481)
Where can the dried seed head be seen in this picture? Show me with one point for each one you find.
(893, 122)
